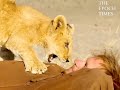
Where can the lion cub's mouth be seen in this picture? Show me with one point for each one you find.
(52, 57)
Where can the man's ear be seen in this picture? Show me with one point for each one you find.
(60, 22)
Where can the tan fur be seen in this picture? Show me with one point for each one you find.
(22, 27)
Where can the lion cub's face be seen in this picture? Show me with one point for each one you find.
(60, 40)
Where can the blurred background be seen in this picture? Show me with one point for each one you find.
(92, 31)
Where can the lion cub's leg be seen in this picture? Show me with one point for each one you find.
(32, 63)
(30, 59)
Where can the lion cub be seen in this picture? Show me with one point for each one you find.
(22, 27)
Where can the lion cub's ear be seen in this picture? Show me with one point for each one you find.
(60, 22)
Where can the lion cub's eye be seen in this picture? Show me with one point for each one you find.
(66, 44)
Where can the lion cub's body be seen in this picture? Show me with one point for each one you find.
(22, 27)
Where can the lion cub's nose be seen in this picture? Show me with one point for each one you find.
(67, 60)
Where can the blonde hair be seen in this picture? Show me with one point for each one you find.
(111, 66)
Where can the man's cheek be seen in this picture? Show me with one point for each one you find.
(91, 65)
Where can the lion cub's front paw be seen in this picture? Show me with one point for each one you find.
(36, 68)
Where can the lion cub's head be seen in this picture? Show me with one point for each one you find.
(60, 39)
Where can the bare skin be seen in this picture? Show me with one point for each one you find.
(92, 62)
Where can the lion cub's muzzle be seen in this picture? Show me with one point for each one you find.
(53, 56)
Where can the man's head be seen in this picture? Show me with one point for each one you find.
(106, 61)
(109, 62)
